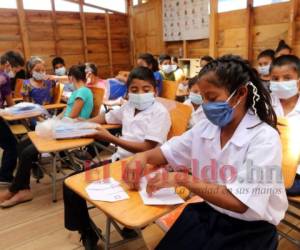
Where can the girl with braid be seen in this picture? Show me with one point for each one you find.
(225, 153)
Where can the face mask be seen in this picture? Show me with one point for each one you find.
(141, 101)
(264, 70)
(219, 113)
(285, 89)
(195, 98)
(60, 71)
(38, 76)
(168, 68)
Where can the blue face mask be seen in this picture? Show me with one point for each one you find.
(219, 113)
(195, 98)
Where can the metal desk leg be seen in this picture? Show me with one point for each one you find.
(107, 233)
(54, 178)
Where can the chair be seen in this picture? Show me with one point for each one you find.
(290, 137)
(98, 95)
(180, 116)
(57, 93)
(17, 92)
(169, 89)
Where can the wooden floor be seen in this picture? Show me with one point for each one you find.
(39, 225)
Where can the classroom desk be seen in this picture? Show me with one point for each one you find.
(131, 213)
(55, 146)
(10, 118)
(55, 106)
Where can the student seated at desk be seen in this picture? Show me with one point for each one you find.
(285, 86)
(145, 124)
(80, 105)
(240, 211)
(37, 89)
(195, 101)
(92, 78)
(167, 70)
(148, 60)
(264, 61)
(10, 63)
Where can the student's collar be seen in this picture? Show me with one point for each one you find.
(241, 134)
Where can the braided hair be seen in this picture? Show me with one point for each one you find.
(233, 72)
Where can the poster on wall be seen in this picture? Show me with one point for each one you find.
(185, 19)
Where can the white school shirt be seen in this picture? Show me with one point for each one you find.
(253, 141)
(151, 124)
(197, 115)
(295, 113)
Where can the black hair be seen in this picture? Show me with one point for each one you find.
(233, 72)
(78, 72)
(91, 67)
(174, 59)
(150, 60)
(207, 58)
(142, 73)
(163, 58)
(15, 59)
(267, 53)
(282, 45)
(192, 81)
(58, 60)
(291, 60)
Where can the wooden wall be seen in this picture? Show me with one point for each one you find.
(270, 23)
(63, 36)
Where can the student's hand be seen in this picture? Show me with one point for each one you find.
(133, 171)
(103, 134)
(51, 77)
(165, 179)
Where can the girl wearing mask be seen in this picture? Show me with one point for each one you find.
(37, 89)
(145, 124)
(240, 211)
(264, 60)
(195, 101)
(284, 85)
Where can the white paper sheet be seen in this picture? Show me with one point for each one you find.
(164, 196)
(106, 190)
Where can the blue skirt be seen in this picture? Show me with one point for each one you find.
(202, 227)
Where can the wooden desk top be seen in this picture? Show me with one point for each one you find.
(131, 213)
(52, 145)
(111, 126)
(20, 116)
(55, 106)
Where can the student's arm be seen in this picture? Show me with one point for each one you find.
(76, 109)
(131, 146)
(217, 195)
(100, 119)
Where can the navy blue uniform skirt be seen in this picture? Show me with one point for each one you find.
(202, 227)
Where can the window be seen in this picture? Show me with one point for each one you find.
(229, 5)
(265, 2)
(135, 2)
(37, 5)
(89, 9)
(9, 4)
(117, 5)
(61, 5)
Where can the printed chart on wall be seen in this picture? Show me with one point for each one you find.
(185, 19)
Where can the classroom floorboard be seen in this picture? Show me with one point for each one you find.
(39, 225)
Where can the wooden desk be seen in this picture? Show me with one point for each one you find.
(55, 106)
(55, 146)
(111, 126)
(11, 118)
(131, 213)
(52, 145)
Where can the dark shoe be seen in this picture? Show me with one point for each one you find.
(128, 233)
(37, 172)
(89, 240)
